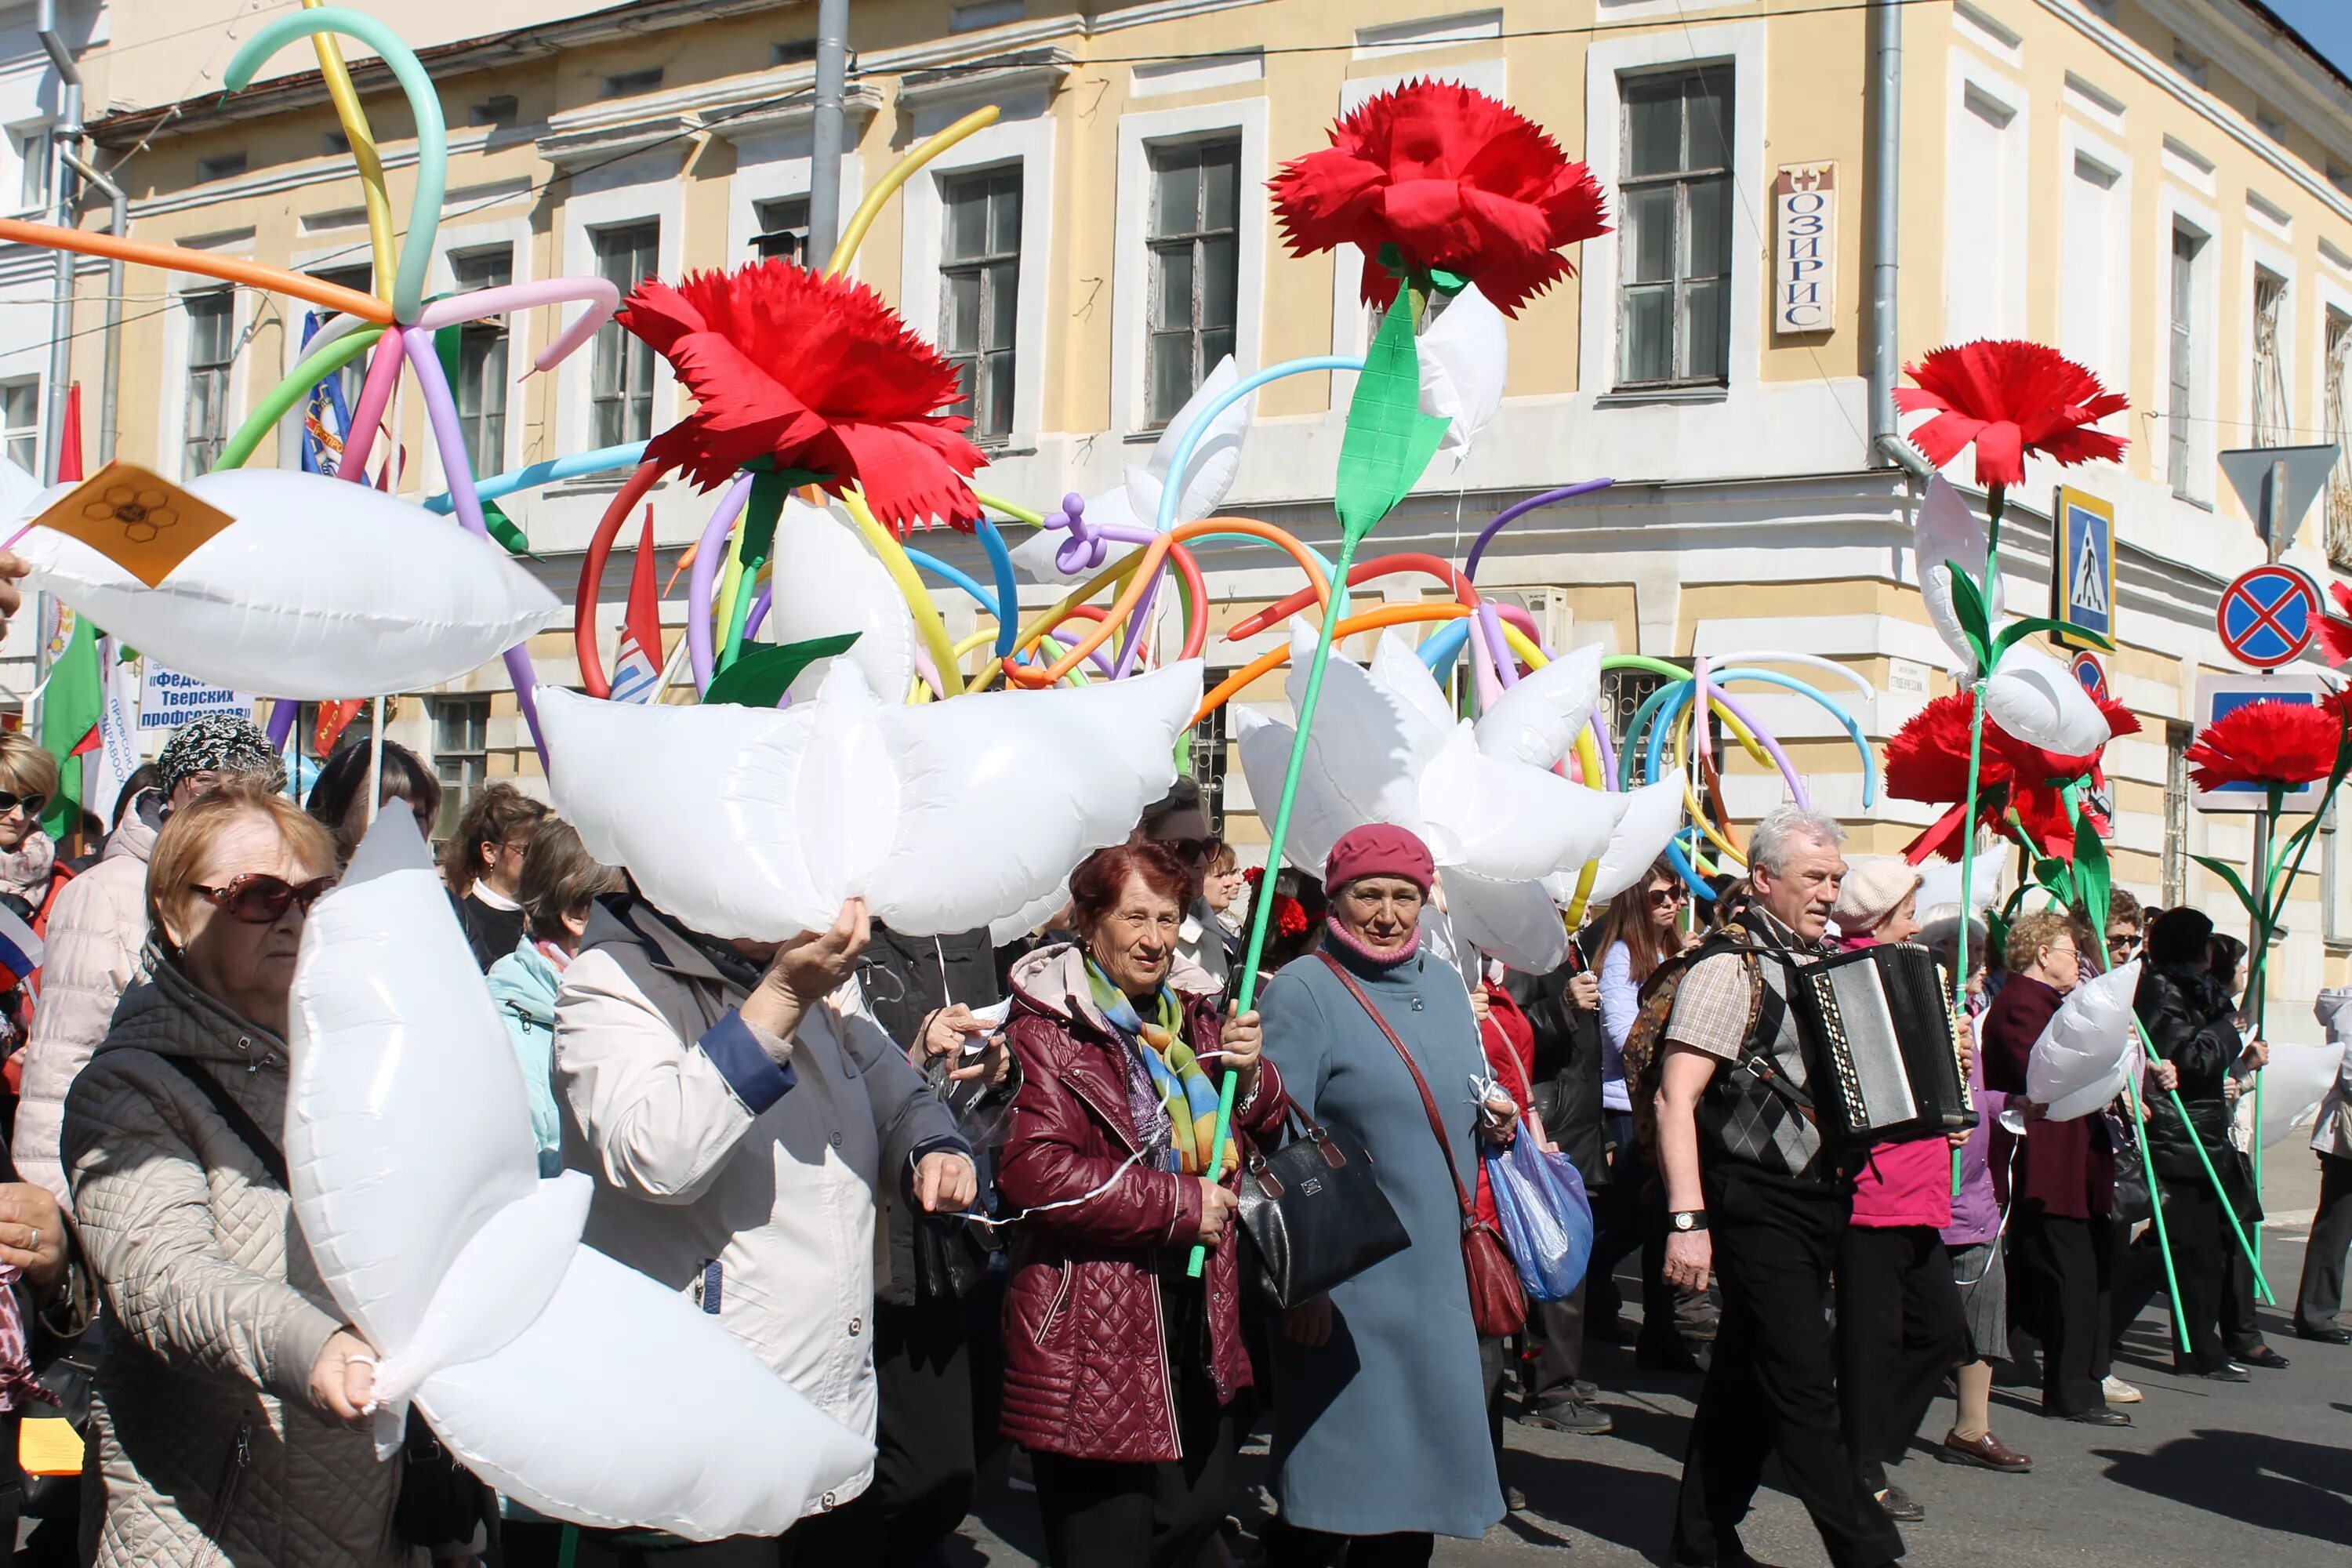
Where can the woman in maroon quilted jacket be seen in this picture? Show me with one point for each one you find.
(1122, 1373)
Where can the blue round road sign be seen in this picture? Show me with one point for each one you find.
(2269, 617)
(2090, 672)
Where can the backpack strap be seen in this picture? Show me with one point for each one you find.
(240, 1120)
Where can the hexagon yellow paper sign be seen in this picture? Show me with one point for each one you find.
(139, 521)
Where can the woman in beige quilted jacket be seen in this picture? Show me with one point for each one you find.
(225, 1412)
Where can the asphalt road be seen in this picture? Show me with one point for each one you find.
(2257, 1474)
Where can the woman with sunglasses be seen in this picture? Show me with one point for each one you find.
(30, 872)
(226, 1411)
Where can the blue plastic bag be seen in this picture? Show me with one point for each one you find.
(1546, 1219)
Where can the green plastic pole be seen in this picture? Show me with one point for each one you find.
(2156, 1200)
(1264, 903)
(2261, 1286)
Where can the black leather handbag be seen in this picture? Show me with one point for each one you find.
(1314, 1215)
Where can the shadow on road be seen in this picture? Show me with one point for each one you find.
(2256, 1479)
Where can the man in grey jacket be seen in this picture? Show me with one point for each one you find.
(739, 1117)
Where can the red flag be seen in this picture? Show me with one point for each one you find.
(70, 447)
(637, 662)
(333, 718)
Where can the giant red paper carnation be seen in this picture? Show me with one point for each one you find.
(2271, 744)
(815, 374)
(1927, 760)
(2008, 398)
(1455, 181)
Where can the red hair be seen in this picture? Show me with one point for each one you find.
(1096, 886)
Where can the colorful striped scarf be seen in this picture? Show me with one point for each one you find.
(1187, 1094)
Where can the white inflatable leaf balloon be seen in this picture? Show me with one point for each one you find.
(319, 589)
(2089, 1050)
(1369, 743)
(1939, 883)
(1317, 816)
(2037, 700)
(2294, 1083)
(1465, 357)
(1508, 822)
(1647, 824)
(943, 816)
(413, 1173)
(1945, 530)
(1515, 922)
(1010, 928)
(1208, 477)
(1536, 720)
(1396, 666)
(828, 581)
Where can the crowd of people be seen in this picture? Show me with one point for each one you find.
(949, 1191)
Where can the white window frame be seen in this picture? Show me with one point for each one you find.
(1742, 43)
(1026, 141)
(526, 330)
(2254, 252)
(643, 189)
(2327, 293)
(779, 166)
(2115, 373)
(2175, 209)
(1352, 327)
(1965, 200)
(28, 140)
(171, 429)
(36, 430)
(1131, 268)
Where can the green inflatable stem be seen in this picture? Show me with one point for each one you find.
(423, 105)
(296, 386)
(2156, 1199)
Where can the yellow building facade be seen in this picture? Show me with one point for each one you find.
(2159, 187)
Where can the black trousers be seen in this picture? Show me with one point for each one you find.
(923, 1460)
(1559, 1346)
(851, 1533)
(2320, 1295)
(1771, 1384)
(1899, 1329)
(1100, 1514)
(2061, 1270)
(1630, 1213)
(2206, 1256)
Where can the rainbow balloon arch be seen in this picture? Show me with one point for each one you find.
(1071, 641)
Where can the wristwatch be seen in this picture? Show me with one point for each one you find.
(1684, 1221)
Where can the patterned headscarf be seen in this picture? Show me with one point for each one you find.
(222, 743)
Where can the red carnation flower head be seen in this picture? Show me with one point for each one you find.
(1927, 760)
(814, 375)
(2272, 744)
(1455, 181)
(2008, 398)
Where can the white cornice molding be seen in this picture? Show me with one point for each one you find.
(1035, 72)
(860, 103)
(2202, 103)
(615, 138)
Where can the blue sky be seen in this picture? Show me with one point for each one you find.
(2326, 25)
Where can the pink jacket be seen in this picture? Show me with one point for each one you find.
(97, 930)
(1905, 1183)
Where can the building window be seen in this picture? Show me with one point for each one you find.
(1674, 321)
(353, 376)
(2176, 815)
(33, 192)
(974, 14)
(226, 167)
(499, 109)
(20, 424)
(481, 389)
(979, 289)
(629, 84)
(2270, 371)
(621, 380)
(1195, 268)
(2178, 396)
(2339, 430)
(211, 352)
(461, 747)
(784, 229)
(2189, 63)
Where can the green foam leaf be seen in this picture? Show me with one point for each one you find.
(1389, 440)
(758, 678)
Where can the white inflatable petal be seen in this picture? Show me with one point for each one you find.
(1317, 816)
(1369, 744)
(2294, 1083)
(393, 1174)
(1643, 830)
(1946, 531)
(828, 581)
(1506, 821)
(321, 589)
(1514, 922)
(943, 816)
(1396, 666)
(1939, 882)
(1465, 356)
(1010, 928)
(2088, 1051)
(2037, 700)
(1536, 720)
(538, 1419)
(1216, 457)
(496, 1288)
(724, 856)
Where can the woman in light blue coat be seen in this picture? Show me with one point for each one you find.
(557, 889)
(1380, 1435)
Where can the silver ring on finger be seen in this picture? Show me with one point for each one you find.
(35, 1244)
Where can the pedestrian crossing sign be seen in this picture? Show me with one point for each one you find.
(2083, 574)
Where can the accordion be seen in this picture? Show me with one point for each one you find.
(1882, 1058)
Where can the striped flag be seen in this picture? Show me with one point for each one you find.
(20, 950)
(637, 662)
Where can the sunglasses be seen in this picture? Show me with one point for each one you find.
(32, 804)
(259, 899)
(1664, 896)
(1200, 849)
